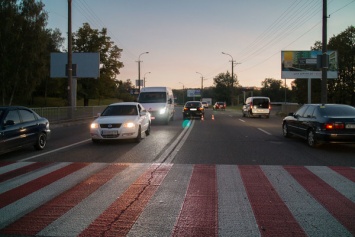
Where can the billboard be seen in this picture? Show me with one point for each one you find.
(85, 65)
(193, 93)
(306, 64)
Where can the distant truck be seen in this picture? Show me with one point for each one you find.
(208, 100)
(159, 101)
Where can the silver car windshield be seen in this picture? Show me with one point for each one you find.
(120, 110)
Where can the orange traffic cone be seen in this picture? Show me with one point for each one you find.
(202, 118)
(212, 116)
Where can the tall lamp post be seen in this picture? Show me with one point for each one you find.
(201, 83)
(232, 77)
(144, 78)
(183, 96)
(139, 71)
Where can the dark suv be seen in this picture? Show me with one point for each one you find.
(193, 109)
(20, 126)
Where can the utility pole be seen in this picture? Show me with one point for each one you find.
(139, 71)
(324, 55)
(70, 79)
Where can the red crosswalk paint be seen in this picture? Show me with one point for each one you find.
(337, 204)
(2, 164)
(17, 193)
(199, 213)
(119, 218)
(38, 219)
(347, 172)
(22, 170)
(271, 213)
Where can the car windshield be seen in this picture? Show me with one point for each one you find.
(337, 110)
(120, 110)
(152, 97)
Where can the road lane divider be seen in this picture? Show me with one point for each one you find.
(170, 153)
(55, 150)
(265, 131)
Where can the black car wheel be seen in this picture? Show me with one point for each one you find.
(147, 132)
(41, 141)
(311, 139)
(285, 131)
(139, 136)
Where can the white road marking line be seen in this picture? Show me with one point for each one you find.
(265, 131)
(48, 152)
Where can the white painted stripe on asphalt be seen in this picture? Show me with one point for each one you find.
(310, 214)
(14, 166)
(25, 178)
(23, 206)
(82, 215)
(336, 180)
(165, 204)
(242, 120)
(264, 131)
(55, 150)
(172, 155)
(171, 151)
(235, 214)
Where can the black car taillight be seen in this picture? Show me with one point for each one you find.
(332, 126)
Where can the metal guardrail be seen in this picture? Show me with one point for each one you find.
(62, 114)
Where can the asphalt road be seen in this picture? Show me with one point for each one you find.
(226, 176)
(227, 138)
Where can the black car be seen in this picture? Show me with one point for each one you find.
(317, 123)
(20, 126)
(193, 109)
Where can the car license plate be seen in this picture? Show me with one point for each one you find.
(350, 126)
(193, 109)
(109, 132)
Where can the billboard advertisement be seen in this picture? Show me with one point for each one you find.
(85, 65)
(193, 93)
(306, 64)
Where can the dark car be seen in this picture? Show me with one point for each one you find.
(219, 105)
(20, 126)
(328, 123)
(193, 109)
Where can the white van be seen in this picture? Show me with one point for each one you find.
(257, 106)
(159, 101)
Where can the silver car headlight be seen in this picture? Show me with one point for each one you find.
(94, 125)
(129, 125)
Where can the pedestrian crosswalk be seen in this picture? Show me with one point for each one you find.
(159, 199)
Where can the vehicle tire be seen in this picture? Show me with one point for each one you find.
(139, 136)
(95, 140)
(147, 132)
(41, 141)
(311, 139)
(285, 131)
(167, 119)
(243, 113)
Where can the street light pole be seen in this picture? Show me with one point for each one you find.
(139, 71)
(144, 78)
(201, 83)
(233, 62)
(183, 96)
